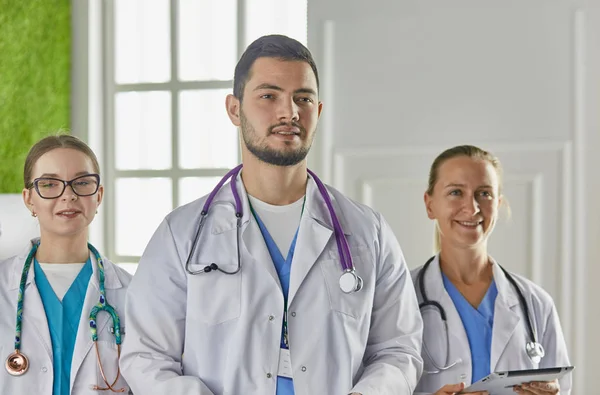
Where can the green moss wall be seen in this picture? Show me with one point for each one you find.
(35, 38)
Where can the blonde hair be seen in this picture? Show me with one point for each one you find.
(50, 143)
(469, 151)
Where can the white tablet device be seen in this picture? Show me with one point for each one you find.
(502, 383)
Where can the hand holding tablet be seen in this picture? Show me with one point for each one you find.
(531, 382)
(539, 388)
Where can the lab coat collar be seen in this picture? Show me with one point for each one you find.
(436, 291)
(434, 284)
(506, 292)
(17, 268)
(111, 280)
(314, 207)
(224, 223)
(317, 208)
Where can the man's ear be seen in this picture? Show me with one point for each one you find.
(233, 106)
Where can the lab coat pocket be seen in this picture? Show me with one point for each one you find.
(214, 297)
(355, 304)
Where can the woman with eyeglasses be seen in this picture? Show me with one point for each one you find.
(61, 326)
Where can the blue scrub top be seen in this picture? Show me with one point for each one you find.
(478, 323)
(285, 385)
(63, 321)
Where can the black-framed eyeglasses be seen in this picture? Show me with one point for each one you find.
(53, 188)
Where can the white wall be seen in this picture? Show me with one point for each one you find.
(591, 344)
(402, 80)
(17, 226)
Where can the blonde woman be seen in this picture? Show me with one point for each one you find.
(479, 318)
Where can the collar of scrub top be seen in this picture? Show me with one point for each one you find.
(111, 279)
(102, 305)
(340, 238)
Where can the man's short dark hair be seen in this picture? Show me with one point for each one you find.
(272, 46)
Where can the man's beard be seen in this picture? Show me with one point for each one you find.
(267, 154)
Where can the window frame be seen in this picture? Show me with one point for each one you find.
(174, 86)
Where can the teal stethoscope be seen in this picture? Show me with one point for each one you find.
(17, 363)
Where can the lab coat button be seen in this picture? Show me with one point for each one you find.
(304, 368)
(269, 375)
(271, 318)
(293, 313)
(44, 369)
(462, 376)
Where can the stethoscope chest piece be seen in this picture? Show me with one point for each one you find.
(17, 364)
(535, 351)
(350, 282)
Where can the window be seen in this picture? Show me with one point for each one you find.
(169, 65)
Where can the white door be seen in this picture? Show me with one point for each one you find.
(403, 80)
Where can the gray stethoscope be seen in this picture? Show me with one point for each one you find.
(350, 281)
(535, 351)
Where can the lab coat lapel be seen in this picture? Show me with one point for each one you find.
(83, 342)
(313, 235)
(506, 318)
(436, 291)
(34, 317)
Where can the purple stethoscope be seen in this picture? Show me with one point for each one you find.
(350, 282)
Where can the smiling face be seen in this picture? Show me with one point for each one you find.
(279, 112)
(69, 214)
(465, 201)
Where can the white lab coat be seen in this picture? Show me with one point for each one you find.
(35, 335)
(228, 327)
(509, 333)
